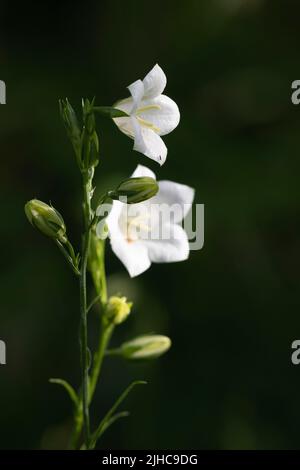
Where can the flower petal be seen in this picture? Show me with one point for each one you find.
(137, 92)
(174, 245)
(176, 195)
(162, 112)
(142, 170)
(139, 142)
(154, 82)
(125, 125)
(151, 145)
(124, 105)
(133, 255)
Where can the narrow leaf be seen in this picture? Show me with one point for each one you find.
(112, 420)
(93, 302)
(69, 389)
(110, 417)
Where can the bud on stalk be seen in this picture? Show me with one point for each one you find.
(70, 121)
(135, 189)
(145, 347)
(117, 309)
(46, 219)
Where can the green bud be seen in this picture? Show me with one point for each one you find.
(95, 262)
(90, 141)
(46, 219)
(145, 347)
(135, 189)
(70, 121)
(117, 309)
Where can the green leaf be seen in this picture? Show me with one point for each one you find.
(110, 112)
(69, 389)
(110, 417)
(93, 302)
(121, 414)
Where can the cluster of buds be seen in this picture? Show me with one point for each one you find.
(84, 140)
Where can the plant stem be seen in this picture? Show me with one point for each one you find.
(105, 335)
(68, 257)
(87, 213)
(97, 267)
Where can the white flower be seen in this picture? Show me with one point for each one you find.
(150, 231)
(151, 115)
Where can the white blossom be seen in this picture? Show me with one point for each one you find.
(151, 115)
(151, 231)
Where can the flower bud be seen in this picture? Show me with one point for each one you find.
(70, 121)
(136, 189)
(90, 141)
(46, 219)
(117, 309)
(145, 347)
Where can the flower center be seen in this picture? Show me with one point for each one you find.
(144, 122)
(134, 226)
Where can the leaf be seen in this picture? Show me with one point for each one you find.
(110, 112)
(110, 417)
(93, 302)
(122, 414)
(69, 389)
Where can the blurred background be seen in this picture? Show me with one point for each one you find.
(233, 309)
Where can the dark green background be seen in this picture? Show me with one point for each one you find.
(232, 310)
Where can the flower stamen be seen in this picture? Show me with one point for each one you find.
(147, 108)
(135, 225)
(148, 124)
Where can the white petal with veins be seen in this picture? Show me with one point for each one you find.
(154, 82)
(161, 112)
(154, 146)
(137, 91)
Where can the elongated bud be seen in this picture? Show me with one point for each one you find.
(117, 309)
(46, 219)
(135, 189)
(145, 347)
(95, 262)
(90, 140)
(70, 121)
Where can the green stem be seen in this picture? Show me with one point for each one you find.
(70, 259)
(105, 335)
(113, 352)
(97, 268)
(83, 340)
(87, 191)
(73, 445)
